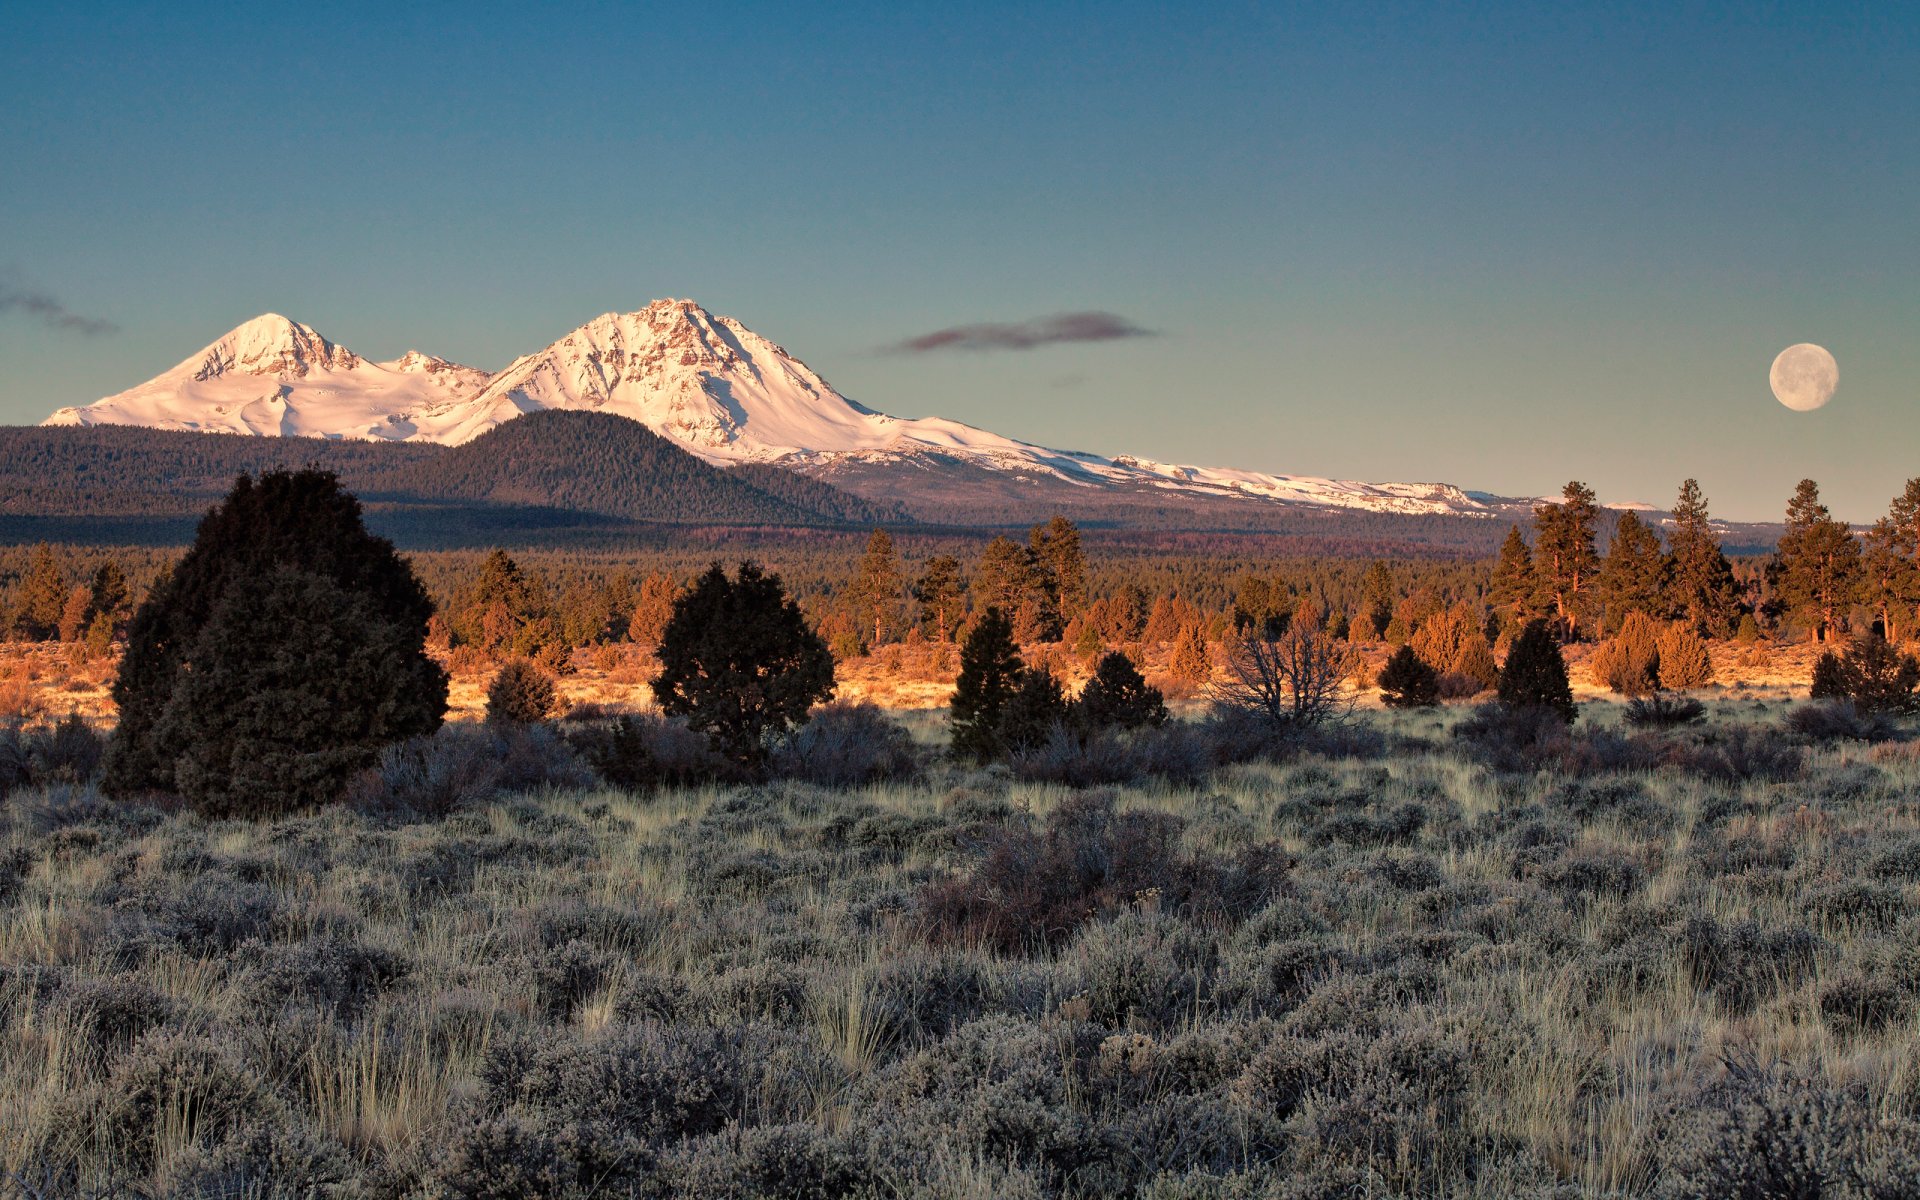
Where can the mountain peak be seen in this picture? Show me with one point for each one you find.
(271, 344)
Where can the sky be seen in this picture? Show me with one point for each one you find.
(1497, 245)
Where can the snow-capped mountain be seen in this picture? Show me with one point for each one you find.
(708, 383)
(276, 376)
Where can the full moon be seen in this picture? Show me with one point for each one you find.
(1804, 376)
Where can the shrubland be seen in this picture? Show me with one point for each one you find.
(1433, 952)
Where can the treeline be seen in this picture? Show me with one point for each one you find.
(1577, 565)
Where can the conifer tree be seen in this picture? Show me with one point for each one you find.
(1700, 583)
(1890, 562)
(43, 595)
(1633, 577)
(1535, 673)
(1192, 664)
(1062, 567)
(1377, 600)
(1684, 659)
(1629, 662)
(1163, 622)
(1008, 578)
(287, 644)
(292, 685)
(74, 615)
(739, 661)
(109, 591)
(1408, 681)
(990, 671)
(1564, 559)
(941, 595)
(879, 590)
(1816, 567)
(1872, 674)
(1119, 696)
(520, 694)
(1515, 592)
(1038, 703)
(652, 610)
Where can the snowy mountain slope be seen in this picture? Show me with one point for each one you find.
(278, 377)
(708, 383)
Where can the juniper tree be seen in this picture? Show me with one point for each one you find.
(1408, 681)
(1535, 673)
(1700, 583)
(1633, 576)
(1872, 674)
(1629, 662)
(1038, 703)
(1684, 659)
(1816, 566)
(311, 609)
(990, 671)
(739, 661)
(292, 685)
(1564, 558)
(520, 694)
(1119, 696)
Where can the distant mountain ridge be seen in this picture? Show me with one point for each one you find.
(710, 385)
(591, 464)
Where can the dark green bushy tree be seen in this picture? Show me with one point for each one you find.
(1119, 696)
(738, 660)
(1872, 674)
(520, 694)
(293, 684)
(990, 671)
(1035, 707)
(297, 535)
(1535, 674)
(1408, 681)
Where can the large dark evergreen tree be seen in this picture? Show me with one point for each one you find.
(293, 684)
(289, 544)
(1700, 583)
(1118, 695)
(1564, 558)
(1535, 673)
(1408, 681)
(1816, 567)
(739, 661)
(990, 671)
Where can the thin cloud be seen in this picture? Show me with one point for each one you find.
(48, 310)
(1026, 335)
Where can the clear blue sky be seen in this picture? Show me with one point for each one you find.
(1498, 245)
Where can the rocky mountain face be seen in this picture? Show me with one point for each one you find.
(718, 390)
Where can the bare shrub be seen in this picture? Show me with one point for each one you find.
(1661, 711)
(1838, 720)
(644, 751)
(847, 744)
(1301, 679)
(1033, 889)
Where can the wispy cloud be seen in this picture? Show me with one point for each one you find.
(1026, 335)
(47, 309)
